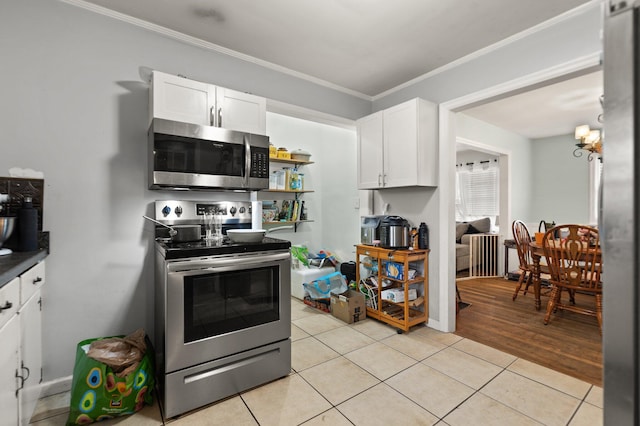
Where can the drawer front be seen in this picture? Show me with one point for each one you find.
(31, 281)
(9, 300)
(194, 387)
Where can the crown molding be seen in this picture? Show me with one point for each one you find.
(194, 41)
(498, 45)
(303, 113)
(581, 65)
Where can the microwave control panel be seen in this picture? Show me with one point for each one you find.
(259, 163)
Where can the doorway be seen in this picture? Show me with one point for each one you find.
(448, 139)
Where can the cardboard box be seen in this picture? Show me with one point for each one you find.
(394, 270)
(348, 306)
(397, 294)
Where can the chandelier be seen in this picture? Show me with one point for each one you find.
(590, 140)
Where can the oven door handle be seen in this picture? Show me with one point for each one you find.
(233, 261)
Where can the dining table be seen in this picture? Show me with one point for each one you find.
(537, 253)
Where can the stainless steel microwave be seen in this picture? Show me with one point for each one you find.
(195, 157)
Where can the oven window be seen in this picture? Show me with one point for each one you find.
(185, 155)
(229, 301)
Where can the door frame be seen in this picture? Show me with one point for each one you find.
(504, 188)
(447, 142)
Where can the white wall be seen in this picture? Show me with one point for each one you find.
(560, 181)
(332, 177)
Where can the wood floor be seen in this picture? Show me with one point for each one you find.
(570, 343)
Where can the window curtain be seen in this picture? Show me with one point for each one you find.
(476, 190)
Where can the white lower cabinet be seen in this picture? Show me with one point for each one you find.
(9, 364)
(30, 356)
(21, 346)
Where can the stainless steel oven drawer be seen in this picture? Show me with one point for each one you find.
(197, 386)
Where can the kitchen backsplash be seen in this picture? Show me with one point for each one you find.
(17, 189)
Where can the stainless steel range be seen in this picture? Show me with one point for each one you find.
(222, 309)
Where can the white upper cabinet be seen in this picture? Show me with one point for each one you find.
(370, 142)
(241, 111)
(398, 147)
(180, 99)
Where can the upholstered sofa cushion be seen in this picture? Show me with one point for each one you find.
(462, 250)
(461, 229)
(480, 226)
(464, 230)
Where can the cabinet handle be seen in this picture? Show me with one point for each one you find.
(220, 117)
(28, 371)
(37, 280)
(7, 305)
(212, 116)
(384, 180)
(21, 383)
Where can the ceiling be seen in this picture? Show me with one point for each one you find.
(548, 111)
(368, 48)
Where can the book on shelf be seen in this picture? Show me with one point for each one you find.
(283, 211)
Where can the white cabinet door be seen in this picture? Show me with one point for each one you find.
(400, 145)
(241, 111)
(180, 99)
(370, 161)
(9, 346)
(30, 355)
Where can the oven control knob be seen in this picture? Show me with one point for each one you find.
(233, 211)
(166, 210)
(178, 210)
(242, 210)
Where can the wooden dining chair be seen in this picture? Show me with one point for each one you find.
(575, 264)
(522, 238)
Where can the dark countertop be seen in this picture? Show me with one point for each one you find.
(14, 264)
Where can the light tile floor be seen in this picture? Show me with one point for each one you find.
(367, 374)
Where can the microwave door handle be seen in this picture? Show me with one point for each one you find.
(247, 160)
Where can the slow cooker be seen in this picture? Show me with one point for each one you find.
(394, 233)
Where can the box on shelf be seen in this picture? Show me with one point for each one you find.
(396, 295)
(348, 306)
(394, 270)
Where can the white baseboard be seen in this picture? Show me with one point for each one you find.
(435, 324)
(59, 385)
